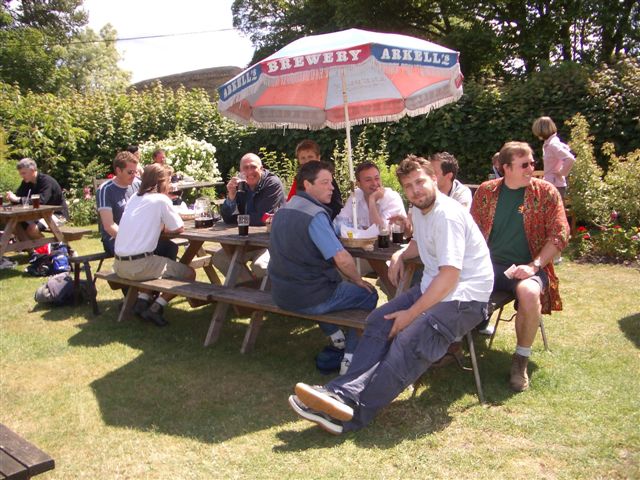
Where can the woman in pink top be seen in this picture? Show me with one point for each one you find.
(557, 157)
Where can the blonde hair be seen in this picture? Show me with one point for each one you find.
(413, 163)
(122, 158)
(155, 179)
(544, 127)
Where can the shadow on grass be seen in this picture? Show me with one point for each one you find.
(175, 386)
(630, 326)
(427, 411)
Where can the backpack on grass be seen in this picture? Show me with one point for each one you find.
(50, 259)
(58, 291)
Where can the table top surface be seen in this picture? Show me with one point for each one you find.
(259, 237)
(18, 211)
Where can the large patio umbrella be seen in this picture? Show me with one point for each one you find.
(343, 78)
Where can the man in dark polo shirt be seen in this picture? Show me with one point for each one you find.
(307, 259)
(36, 183)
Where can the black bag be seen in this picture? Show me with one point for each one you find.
(51, 260)
(328, 360)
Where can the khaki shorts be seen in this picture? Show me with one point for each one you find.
(151, 267)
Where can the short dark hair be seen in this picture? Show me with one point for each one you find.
(448, 163)
(132, 148)
(411, 164)
(308, 145)
(309, 172)
(364, 166)
(513, 149)
(157, 152)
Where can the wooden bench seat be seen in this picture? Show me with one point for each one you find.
(19, 458)
(257, 300)
(73, 233)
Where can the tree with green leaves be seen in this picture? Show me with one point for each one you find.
(45, 47)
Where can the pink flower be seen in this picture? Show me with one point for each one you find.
(614, 216)
(582, 229)
(87, 193)
(617, 227)
(586, 236)
(635, 237)
(111, 175)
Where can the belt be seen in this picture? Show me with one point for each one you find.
(134, 257)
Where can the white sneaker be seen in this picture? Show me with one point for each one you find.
(345, 363)
(488, 330)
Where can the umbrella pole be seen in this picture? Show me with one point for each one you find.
(352, 178)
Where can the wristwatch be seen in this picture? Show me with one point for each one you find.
(537, 264)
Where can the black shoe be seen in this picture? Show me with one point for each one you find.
(155, 316)
(141, 306)
(323, 420)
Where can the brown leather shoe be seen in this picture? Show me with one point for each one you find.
(454, 354)
(519, 381)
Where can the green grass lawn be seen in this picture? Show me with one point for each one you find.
(129, 400)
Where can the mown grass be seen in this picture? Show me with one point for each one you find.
(128, 400)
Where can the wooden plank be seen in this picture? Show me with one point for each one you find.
(10, 468)
(92, 257)
(34, 459)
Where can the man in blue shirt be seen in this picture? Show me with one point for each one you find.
(111, 199)
(307, 259)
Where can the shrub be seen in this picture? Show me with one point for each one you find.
(82, 207)
(608, 243)
(187, 156)
(281, 165)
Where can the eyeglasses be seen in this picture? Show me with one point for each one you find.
(527, 164)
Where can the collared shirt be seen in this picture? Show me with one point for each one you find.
(461, 194)
(389, 205)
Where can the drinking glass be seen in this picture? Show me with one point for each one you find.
(243, 225)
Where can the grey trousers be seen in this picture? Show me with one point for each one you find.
(381, 368)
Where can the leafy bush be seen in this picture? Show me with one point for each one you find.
(623, 185)
(82, 208)
(187, 156)
(281, 165)
(612, 242)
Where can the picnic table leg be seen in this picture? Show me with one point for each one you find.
(48, 218)
(6, 236)
(257, 318)
(129, 301)
(405, 281)
(382, 270)
(220, 311)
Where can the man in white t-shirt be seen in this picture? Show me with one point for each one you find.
(375, 204)
(146, 216)
(446, 168)
(408, 334)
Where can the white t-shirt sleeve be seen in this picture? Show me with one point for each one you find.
(170, 217)
(391, 205)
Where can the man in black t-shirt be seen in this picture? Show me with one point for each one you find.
(36, 183)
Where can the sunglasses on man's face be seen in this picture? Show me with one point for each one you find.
(527, 164)
(128, 172)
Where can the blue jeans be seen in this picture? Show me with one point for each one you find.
(346, 296)
(382, 368)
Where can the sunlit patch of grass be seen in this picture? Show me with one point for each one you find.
(128, 400)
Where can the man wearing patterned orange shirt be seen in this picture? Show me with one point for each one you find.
(523, 221)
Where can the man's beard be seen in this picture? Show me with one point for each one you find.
(427, 202)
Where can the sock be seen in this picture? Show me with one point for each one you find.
(161, 301)
(144, 296)
(337, 339)
(523, 351)
(347, 357)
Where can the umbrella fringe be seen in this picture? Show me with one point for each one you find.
(339, 125)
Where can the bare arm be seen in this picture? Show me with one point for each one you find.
(106, 218)
(347, 266)
(439, 288)
(374, 213)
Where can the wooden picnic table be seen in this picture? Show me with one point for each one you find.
(15, 215)
(236, 246)
(182, 185)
